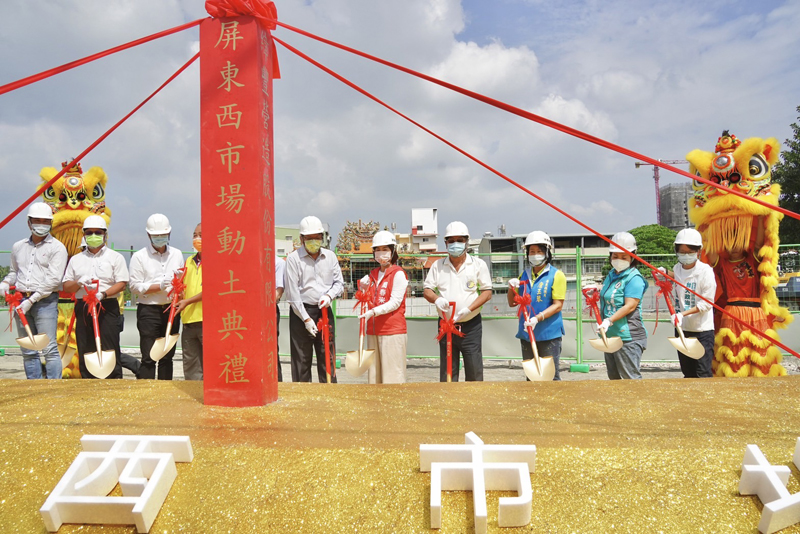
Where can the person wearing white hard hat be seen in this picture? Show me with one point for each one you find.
(152, 270)
(464, 280)
(621, 309)
(37, 265)
(694, 315)
(313, 279)
(97, 262)
(386, 316)
(547, 287)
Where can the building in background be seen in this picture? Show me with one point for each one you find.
(675, 206)
(424, 229)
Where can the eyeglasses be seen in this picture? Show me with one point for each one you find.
(94, 232)
(455, 240)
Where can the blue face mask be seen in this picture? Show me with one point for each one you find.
(456, 249)
(159, 240)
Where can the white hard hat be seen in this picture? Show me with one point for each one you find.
(456, 228)
(537, 237)
(40, 210)
(383, 238)
(689, 236)
(311, 225)
(624, 239)
(158, 224)
(95, 221)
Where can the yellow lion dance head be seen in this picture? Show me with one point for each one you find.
(74, 197)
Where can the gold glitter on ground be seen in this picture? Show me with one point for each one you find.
(645, 456)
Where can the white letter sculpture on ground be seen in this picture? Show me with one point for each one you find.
(144, 466)
(478, 467)
(759, 477)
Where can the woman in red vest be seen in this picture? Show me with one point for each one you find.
(386, 317)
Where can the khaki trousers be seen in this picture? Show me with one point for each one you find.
(389, 366)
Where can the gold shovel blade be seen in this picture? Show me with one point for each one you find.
(67, 353)
(613, 344)
(357, 365)
(100, 366)
(162, 346)
(31, 342)
(693, 348)
(548, 369)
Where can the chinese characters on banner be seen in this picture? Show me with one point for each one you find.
(239, 323)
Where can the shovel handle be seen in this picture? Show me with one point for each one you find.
(22, 318)
(325, 339)
(450, 344)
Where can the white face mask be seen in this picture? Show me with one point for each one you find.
(537, 259)
(687, 259)
(40, 230)
(383, 257)
(620, 265)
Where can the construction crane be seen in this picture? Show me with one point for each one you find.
(656, 177)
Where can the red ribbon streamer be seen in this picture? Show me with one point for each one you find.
(664, 290)
(264, 11)
(512, 182)
(523, 301)
(540, 120)
(91, 147)
(322, 325)
(90, 298)
(592, 297)
(448, 326)
(364, 298)
(177, 284)
(12, 300)
(7, 88)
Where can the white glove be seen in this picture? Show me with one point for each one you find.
(165, 283)
(101, 295)
(463, 312)
(362, 285)
(324, 301)
(442, 304)
(677, 319)
(4, 288)
(311, 327)
(25, 306)
(663, 271)
(89, 285)
(85, 280)
(369, 314)
(513, 283)
(604, 326)
(532, 322)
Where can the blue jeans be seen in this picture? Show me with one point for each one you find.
(42, 319)
(626, 361)
(547, 348)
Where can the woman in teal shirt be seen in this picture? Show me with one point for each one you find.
(621, 309)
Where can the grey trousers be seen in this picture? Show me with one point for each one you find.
(626, 361)
(192, 344)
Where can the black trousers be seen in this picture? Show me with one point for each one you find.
(151, 320)
(107, 323)
(468, 346)
(303, 346)
(278, 335)
(701, 368)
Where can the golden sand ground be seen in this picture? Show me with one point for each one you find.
(632, 456)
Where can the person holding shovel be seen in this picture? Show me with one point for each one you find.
(547, 287)
(464, 280)
(621, 310)
(37, 265)
(97, 262)
(694, 315)
(386, 316)
(152, 271)
(313, 279)
(191, 309)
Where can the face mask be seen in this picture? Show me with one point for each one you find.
(197, 243)
(40, 229)
(383, 257)
(537, 259)
(456, 249)
(687, 259)
(620, 265)
(94, 241)
(313, 245)
(159, 241)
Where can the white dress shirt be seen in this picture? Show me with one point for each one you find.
(148, 267)
(700, 279)
(37, 268)
(399, 286)
(280, 272)
(107, 265)
(306, 279)
(463, 286)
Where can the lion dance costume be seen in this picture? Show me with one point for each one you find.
(728, 223)
(73, 197)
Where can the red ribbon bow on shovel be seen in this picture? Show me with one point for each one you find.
(13, 300)
(664, 290)
(592, 296)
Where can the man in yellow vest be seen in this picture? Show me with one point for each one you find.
(191, 309)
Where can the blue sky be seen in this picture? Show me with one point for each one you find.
(660, 78)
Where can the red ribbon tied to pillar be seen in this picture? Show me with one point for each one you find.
(12, 300)
(664, 289)
(264, 11)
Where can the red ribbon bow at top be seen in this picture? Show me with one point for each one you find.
(664, 290)
(592, 296)
(90, 298)
(177, 284)
(263, 11)
(13, 300)
(323, 322)
(364, 298)
(448, 327)
(524, 300)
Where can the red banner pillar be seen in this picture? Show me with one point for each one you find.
(239, 323)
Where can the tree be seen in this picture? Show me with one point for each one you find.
(653, 239)
(787, 173)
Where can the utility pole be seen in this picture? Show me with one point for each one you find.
(656, 178)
